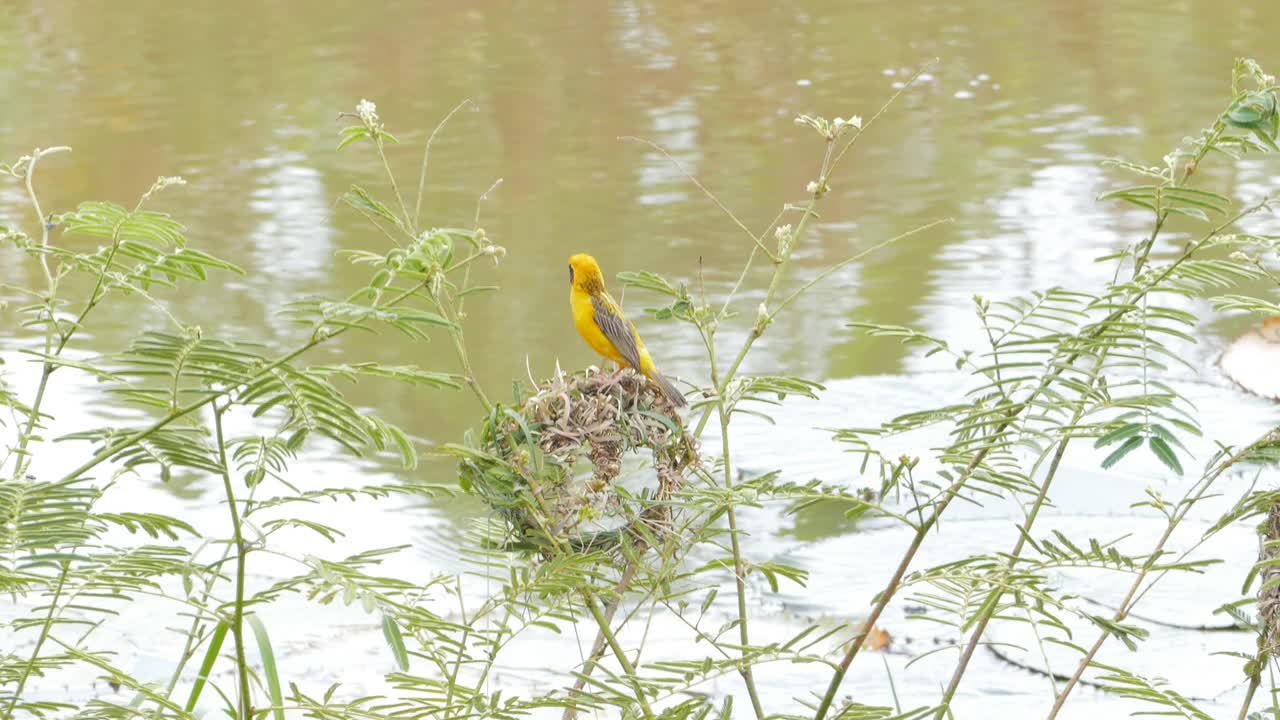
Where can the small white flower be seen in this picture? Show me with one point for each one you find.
(163, 182)
(368, 112)
(812, 187)
(856, 121)
(783, 232)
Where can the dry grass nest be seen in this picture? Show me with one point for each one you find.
(558, 466)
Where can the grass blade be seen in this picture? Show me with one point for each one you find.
(210, 657)
(268, 664)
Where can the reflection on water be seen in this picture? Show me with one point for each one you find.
(1004, 138)
(293, 249)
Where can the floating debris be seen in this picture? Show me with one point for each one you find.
(1252, 360)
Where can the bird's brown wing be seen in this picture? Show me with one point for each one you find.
(615, 327)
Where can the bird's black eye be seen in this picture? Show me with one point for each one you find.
(570, 274)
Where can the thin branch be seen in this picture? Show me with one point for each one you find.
(1270, 437)
(703, 188)
(29, 666)
(237, 614)
(618, 653)
(867, 125)
(426, 156)
(35, 205)
(852, 259)
(598, 646)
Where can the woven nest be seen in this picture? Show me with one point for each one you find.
(559, 467)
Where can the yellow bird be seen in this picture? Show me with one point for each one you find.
(601, 323)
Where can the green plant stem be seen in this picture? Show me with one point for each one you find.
(992, 603)
(740, 582)
(1254, 681)
(35, 205)
(618, 653)
(598, 645)
(47, 368)
(460, 349)
(191, 644)
(462, 647)
(1126, 605)
(739, 566)
(426, 156)
(782, 263)
(852, 259)
(772, 315)
(494, 648)
(739, 571)
(759, 245)
(30, 665)
(237, 613)
(891, 587)
(395, 187)
(782, 259)
(23, 461)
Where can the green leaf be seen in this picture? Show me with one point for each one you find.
(1253, 111)
(1266, 137)
(1120, 452)
(1161, 450)
(648, 281)
(352, 133)
(1121, 433)
(360, 199)
(395, 641)
(409, 374)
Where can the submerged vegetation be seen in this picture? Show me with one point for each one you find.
(572, 543)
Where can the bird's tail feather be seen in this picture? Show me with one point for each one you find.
(668, 389)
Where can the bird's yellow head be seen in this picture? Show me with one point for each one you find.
(584, 273)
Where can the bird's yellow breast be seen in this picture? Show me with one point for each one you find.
(584, 319)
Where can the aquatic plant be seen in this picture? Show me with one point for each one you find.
(1064, 367)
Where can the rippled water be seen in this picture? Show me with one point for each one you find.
(1004, 138)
